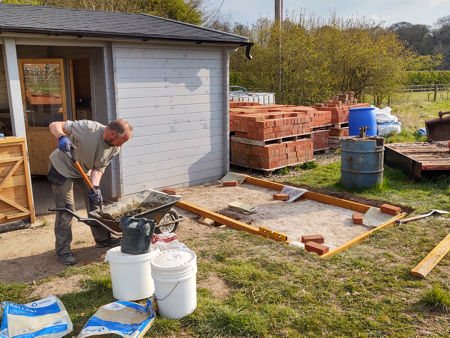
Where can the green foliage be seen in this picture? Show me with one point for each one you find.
(282, 171)
(305, 61)
(309, 165)
(437, 298)
(186, 11)
(429, 77)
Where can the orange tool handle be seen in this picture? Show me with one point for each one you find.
(86, 179)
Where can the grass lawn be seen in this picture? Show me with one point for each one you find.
(276, 290)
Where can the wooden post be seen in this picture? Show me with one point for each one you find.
(435, 91)
(430, 261)
(14, 90)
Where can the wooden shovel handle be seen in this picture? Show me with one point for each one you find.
(86, 179)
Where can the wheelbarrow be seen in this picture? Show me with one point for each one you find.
(149, 204)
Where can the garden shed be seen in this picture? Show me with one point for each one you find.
(168, 79)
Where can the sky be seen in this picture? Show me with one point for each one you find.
(387, 11)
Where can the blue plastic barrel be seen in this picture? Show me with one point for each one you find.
(362, 162)
(362, 117)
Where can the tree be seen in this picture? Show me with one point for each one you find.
(418, 37)
(306, 61)
(186, 11)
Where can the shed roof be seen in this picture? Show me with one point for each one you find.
(67, 21)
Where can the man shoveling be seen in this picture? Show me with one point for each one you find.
(93, 145)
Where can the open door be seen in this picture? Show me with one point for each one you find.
(44, 100)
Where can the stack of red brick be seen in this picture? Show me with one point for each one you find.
(272, 155)
(275, 136)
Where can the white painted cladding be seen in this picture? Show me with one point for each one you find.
(173, 96)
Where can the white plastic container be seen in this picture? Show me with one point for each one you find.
(174, 273)
(131, 275)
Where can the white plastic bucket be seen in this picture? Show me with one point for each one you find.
(131, 275)
(174, 273)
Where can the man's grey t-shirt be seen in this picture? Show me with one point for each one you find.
(92, 152)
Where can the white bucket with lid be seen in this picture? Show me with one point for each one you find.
(174, 273)
(131, 275)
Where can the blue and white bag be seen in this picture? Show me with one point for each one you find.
(123, 318)
(43, 318)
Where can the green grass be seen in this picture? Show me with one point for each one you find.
(437, 299)
(417, 109)
(423, 195)
(277, 290)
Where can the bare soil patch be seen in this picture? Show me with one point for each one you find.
(28, 255)
(57, 286)
(215, 285)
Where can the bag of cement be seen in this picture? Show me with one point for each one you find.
(167, 241)
(44, 318)
(122, 318)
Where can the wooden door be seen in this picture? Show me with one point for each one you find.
(44, 100)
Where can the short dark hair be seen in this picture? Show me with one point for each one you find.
(120, 127)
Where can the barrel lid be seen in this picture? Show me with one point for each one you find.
(173, 259)
(116, 255)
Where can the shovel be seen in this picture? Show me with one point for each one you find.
(440, 212)
(81, 171)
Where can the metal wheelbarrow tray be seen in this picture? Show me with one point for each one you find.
(149, 204)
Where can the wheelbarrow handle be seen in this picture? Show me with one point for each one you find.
(179, 219)
(86, 220)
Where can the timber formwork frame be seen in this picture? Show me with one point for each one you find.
(261, 231)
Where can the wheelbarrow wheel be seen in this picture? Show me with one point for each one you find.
(171, 216)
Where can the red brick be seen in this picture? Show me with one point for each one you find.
(281, 197)
(169, 191)
(316, 247)
(313, 238)
(230, 183)
(357, 218)
(390, 209)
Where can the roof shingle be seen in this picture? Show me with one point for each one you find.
(67, 21)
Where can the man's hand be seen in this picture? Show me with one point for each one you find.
(95, 198)
(64, 144)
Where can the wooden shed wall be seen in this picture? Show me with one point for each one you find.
(174, 99)
(3, 89)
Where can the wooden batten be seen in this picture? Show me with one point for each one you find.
(432, 259)
(16, 199)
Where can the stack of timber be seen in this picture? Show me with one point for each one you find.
(339, 107)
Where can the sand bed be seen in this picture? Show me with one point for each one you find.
(303, 217)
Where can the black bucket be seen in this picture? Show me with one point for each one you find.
(136, 234)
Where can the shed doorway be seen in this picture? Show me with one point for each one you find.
(45, 84)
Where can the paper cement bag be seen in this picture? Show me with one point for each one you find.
(123, 318)
(44, 318)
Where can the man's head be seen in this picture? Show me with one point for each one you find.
(117, 133)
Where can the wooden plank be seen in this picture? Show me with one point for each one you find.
(432, 259)
(176, 109)
(28, 183)
(11, 172)
(362, 237)
(15, 181)
(168, 91)
(13, 203)
(218, 218)
(146, 73)
(311, 195)
(154, 103)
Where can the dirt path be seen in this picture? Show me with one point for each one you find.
(28, 255)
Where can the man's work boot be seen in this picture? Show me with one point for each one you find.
(108, 243)
(67, 259)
